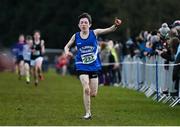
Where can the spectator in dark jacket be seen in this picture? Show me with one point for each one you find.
(175, 47)
(176, 72)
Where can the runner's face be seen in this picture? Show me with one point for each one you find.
(21, 39)
(37, 36)
(84, 24)
(29, 42)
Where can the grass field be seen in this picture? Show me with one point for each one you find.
(58, 101)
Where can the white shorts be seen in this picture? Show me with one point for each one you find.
(33, 62)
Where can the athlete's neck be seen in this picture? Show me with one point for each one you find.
(84, 34)
(37, 41)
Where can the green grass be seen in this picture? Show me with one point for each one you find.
(58, 101)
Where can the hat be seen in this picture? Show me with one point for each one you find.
(154, 39)
(164, 30)
(176, 23)
(164, 25)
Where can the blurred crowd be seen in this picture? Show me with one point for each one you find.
(163, 42)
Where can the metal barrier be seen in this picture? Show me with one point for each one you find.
(151, 76)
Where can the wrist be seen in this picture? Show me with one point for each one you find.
(114, 26)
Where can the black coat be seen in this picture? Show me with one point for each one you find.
(176, 72)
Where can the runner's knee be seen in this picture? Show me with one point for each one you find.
(87, 91)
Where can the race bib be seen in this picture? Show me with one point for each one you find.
(88, 58)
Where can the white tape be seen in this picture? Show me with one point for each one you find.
(138, 62)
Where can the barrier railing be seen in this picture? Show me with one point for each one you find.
(151, 76)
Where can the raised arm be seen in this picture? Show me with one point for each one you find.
(117, 23)
(68, 45)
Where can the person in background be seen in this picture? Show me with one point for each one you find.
(37, 52)
(17, 51)
(62, 63)
(104, 57)
(114, 63)
(27, 57)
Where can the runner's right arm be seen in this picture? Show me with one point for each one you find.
(68, 45)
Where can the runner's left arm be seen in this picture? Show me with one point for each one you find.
(117, 23)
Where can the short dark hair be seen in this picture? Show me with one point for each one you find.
(37, 31)
(21, 34)
(85, 15)
(29, 37)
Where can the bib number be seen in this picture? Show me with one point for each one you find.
(88, 58)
